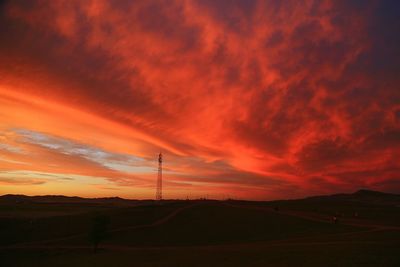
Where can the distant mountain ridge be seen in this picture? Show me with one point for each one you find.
(362, 194)
(366, 192)
(60, 199)
(358, 193)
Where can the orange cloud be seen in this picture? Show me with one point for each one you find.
(251, 98)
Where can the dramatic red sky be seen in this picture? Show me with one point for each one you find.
(246, 99)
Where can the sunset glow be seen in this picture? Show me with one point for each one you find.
(245, 99)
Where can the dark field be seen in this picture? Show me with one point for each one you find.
(204, 233)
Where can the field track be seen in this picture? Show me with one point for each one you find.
(366, 227)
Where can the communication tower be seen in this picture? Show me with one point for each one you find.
(159, 178)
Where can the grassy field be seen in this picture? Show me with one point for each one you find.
(207, 233)
(257, 255)
(214, 223)
(45, 224)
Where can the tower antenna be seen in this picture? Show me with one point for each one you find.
(159, 178)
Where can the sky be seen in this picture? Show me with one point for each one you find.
(246, 99)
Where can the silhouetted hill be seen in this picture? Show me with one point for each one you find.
(366, 192)
(362, 195)
(61, 199)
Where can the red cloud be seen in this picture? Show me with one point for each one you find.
(304, 94)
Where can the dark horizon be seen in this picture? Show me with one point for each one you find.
(359, 191)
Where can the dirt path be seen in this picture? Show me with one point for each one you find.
(321, 218)
(156, 223)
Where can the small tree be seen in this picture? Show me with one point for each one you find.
(99, 230)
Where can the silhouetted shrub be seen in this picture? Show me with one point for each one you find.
(99, 230)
